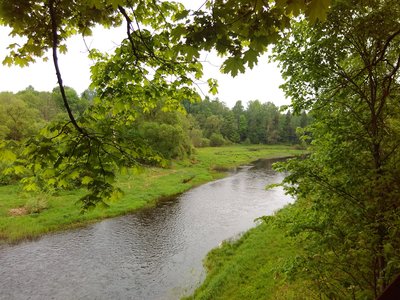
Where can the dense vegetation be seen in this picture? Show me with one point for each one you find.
(341, 66)
(345, 222)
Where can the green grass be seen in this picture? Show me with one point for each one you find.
(141, 190)
(249, 268)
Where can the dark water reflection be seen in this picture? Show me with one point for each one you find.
(154, 254)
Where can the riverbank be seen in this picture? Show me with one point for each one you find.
(27, 216)
(253, 267)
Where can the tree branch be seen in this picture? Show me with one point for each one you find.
(57, 68)
(128, 31)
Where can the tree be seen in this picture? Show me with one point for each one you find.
(229, 129)
(18, 119)
(213, 125)
(77, 105)
(167, 133)
(346, 72)
(44, 102)
(216, 140)
(272, 123)
(256, 118)
(288, 134)
(239, 115)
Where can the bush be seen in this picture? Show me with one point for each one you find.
(217, 140)
(36, 204)
(6, 179)
(205, 142)
(196, 136)
(168, 140)
(247, 141)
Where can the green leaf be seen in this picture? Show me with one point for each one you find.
(251, 57)
(19, 170)
(74, 174)
(31, 187)
(317, 10)
(181, 15)
(233, 65)
(62, 183)
(86, 180)
(63, 49)
(8, 61)
(213, 86)
(7, 156)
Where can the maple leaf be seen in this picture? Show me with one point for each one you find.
(233, 65)
(251, 57)
(317, 10)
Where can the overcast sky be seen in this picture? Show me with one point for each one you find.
(261, 83)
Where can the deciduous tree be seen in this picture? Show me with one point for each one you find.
(346, 72)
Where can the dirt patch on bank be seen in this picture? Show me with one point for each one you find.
(19, 211)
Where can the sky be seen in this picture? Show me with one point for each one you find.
(262, 82)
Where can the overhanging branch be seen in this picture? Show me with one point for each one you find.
(57, 68)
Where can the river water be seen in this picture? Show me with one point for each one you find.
(153, 254)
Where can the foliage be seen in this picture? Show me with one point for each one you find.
(77, 104)
(171, 141)
(44, 102)
(87, 150)
(347, 212)
(243, 29)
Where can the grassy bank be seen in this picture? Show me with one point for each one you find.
(141, 190)
(252, 268)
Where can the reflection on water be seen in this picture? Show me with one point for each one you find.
(153, 254)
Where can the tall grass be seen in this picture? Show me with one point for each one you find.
(252, 268)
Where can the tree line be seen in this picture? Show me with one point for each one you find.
(205, 123)
(258, 123)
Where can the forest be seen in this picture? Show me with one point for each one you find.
(340, 60)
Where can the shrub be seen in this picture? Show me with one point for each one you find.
(205, 142)
(37, 204)
(217, 140)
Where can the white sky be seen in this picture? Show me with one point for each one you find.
(261, 83)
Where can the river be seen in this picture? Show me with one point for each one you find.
(153, 254)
